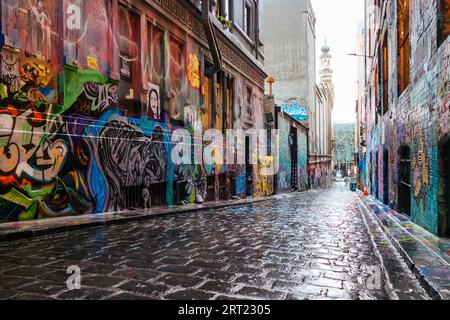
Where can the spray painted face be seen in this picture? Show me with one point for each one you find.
(154, 105)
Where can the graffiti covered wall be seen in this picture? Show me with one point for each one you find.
(417, 119)
(90, 97)
(293, 155)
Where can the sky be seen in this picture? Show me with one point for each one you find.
(337, 22)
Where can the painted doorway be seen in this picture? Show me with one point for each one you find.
(293, 147)
(404, 188)
(386, 177)
(248, 168)
(444, 188)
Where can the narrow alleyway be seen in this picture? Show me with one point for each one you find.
(313, 246)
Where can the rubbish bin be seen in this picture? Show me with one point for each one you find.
(353, 186)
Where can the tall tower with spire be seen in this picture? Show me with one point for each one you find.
(326, 73)
(321, 125)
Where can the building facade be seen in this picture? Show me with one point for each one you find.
(94, 95)
(290, 50)
(407, 108)
(320, 166)
(289, 149)
(360, 130)
(290, 58)
(292, 154)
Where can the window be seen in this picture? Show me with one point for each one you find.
(247, 19)
(81, 44)
(42, 22)
(443, 20)
(223, 9)
(207, 96)
(155, 71)
(156, 52)
(129, 49)
(219, 97)
(385, 55)
(229, 103)
(176, 77)
(377, 94)
(404, 45)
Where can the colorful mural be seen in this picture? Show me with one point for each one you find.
(89, 101)
(418, 118)
(285, 181)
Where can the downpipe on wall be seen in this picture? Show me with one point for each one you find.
(212, 40)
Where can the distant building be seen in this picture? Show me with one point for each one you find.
(320, 123)
(360, 125)
(289, 38)
(289, 47)
(291, 149)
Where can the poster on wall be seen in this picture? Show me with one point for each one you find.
(125, 66)
(154, 103)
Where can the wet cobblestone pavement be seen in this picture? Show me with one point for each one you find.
(313, 246)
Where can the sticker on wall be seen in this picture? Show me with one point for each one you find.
(154, 103)
(193, 71)
(92, 63)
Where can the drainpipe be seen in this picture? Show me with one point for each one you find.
(212, 40)
(277, 110)
(2, 38)
(308, 157)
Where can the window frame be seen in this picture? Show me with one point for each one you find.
(135, 81)
(404, 45)
(248, 18)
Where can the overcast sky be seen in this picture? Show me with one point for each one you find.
(337, 22)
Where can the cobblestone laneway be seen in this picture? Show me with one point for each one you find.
(312, 246)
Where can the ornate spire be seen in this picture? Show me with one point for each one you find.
(326, 73)
(325, 47)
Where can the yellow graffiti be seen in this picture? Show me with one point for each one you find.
(193, 71)
(34, 75)
(92, 63)
(18, 198)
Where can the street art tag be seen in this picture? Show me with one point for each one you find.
(295, 110)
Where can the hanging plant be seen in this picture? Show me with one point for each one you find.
(225, 22)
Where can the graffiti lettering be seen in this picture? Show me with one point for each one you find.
(74, 17)
(101, 97)
(27, 148)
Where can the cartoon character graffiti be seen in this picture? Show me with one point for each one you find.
(10, 78)
(32, 78)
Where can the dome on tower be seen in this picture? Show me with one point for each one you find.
(326, 48)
